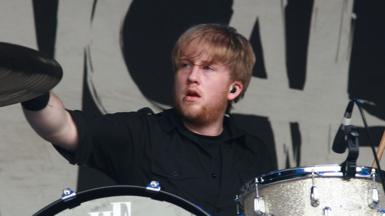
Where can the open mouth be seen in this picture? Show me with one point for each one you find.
(192, 95)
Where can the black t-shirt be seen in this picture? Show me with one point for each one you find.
(211, 158)
(135, 148)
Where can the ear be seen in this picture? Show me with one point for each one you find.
(235, 89)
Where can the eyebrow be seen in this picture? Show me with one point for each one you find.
(204, 62)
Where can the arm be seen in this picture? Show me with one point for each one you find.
(54, 124)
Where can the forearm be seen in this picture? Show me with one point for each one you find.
(54, 123)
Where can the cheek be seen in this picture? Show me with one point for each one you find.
(180, 77)
(178, 86)
(218, 92)
(177, 80)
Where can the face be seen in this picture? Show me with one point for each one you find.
(202, 89)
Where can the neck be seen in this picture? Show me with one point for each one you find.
(207, 129)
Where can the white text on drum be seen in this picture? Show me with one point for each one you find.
(118, 209)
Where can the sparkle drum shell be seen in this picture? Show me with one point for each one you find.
(314, 191)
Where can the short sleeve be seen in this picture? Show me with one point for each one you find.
(105, 142)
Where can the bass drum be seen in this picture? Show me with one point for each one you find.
(313, 191)
(123, 201)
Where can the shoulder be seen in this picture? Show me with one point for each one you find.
(111, 119)
(166, 120)
(255, 129)
(242, 130)
(129, 116)
(257, 136)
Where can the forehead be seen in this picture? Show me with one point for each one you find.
(203, 51)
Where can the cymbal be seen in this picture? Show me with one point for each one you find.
(25, 73)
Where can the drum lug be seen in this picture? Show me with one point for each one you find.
(153, 186)
(327, 211)
(259, 202)
(68, 194)
(238, 206)
(374, 199)
(259, 206)
(314, 194)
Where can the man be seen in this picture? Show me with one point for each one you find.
(194, 150)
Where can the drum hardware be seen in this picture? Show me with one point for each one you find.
(153, 186)
(238, 206)
(373, 192)
(68, 194)
(121, 200)
(259, 202)
(351, 140)
(327, 211)
(347, 137)
(286, 192)
(314, 194)
(359, 103)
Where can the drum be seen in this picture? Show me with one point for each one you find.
(121, 201)
(313, 191)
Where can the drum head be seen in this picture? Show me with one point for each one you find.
(122, 200)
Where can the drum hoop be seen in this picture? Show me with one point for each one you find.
(329, 170)
(119, 190)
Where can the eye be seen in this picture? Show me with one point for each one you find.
(183, 65)
(208, 67)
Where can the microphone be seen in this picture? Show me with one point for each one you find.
(339, 145)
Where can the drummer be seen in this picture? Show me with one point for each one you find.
(193, 150)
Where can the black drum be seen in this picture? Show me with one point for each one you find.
(123, 201)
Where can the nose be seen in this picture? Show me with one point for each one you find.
(194, 74)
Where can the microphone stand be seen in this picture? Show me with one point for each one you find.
(351, 139)
(380, 173)
(347, 137)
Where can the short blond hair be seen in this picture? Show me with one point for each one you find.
(223, 44)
